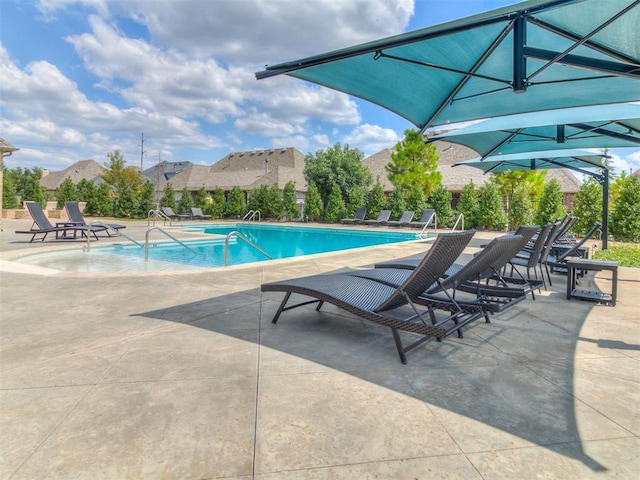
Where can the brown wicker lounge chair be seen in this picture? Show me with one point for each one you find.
(372, 300)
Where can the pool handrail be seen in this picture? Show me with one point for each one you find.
(460, 219)
(251, 216)
(243, 237)
(98, 223)
(146, 242)
(153, 214)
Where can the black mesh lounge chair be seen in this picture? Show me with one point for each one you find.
(383, 218)
(406, 217)
(427, 219)
(358, 217)
(169, 213)
(530, 260)
(45, 227)
(199, 214)
(380, 303)
(75, 216)
(561, 254)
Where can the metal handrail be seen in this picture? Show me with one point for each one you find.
(428, 222)
(146, 242)
(251, 216)
(108, 227)
(460, 219)
(243, 237)
(157, 214)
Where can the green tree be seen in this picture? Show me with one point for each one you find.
(414, 163)
(491, 214)
(118, 175)
(520, 208)
(126, 202)
(258, 200)
(313, 204)
(236, 203)
(532, 180)
(66, 192)
(415, 199)
(168, 197)
(274, 202)
(338, 165)
(625, 219)
(290, 201)
(146, 199)
(587, 206)
(468, 204)
(9, 197)
(86, 192)
(202, 199)
(550, 207)
(376, 200)
(186, 201)
(441, 203)
(357, 199)
(28, 185)
(396, 203)
(102, 201)
(218, 203)
(335, 206)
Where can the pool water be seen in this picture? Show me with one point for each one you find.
(277, 241)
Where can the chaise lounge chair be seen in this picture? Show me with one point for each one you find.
(358, 217)
(427, 219)
(169, 213)
(406, 217)
(383, 218)
(75, 216)
(62, 230)
(199, 214)
(399, 308)
(560, 255)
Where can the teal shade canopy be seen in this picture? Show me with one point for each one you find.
(533, 56)
(576, 160)
(601, 126)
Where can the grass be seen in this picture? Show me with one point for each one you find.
(626, 254)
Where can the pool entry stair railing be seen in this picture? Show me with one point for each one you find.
(251, 215)
(243, 237)
(459, 221)
(153, 214)
(110, 229)
(146, 241)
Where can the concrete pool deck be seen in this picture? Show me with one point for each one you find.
(182, 375)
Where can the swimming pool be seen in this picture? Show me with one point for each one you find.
(276, 241)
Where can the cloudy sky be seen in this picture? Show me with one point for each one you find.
(82, 78)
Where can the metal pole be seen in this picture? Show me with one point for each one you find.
(605, 208)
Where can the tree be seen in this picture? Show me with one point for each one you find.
(202, 198)
(102, 201)
(468, 204)
(126, 202)
(218, 203)
(441, 203)
(290, 201)
(625, 219)
(357, 199)
(236, 203)
(146, 199)
(550, 207)
(414, 163)
(415, 199)
(532, 180)
(118, 175)
(376, 200)
(28, 185)
(9, 197)
(587, 206)
(520, 208)
(66, 192)
(337, 165)
(313, 204)
(186, 201)
(491, 213)
(86, 192)
(396, 203)
(274, 202)
(335, 205)
(258, 200)
(168, 197)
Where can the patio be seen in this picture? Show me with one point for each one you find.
(182, 375)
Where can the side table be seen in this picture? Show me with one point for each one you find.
(574, 266)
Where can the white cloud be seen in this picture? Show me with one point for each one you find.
(371, 138)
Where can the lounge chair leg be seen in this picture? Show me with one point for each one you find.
(281, 307)
(396, 338)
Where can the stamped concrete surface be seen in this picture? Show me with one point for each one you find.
(182, 375)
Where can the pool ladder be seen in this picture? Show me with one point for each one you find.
(243, 237)
(251, 215)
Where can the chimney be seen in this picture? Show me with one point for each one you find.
(44, 173)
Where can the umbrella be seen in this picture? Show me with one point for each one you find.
(533, 56)
(582, 161)
(601, 126)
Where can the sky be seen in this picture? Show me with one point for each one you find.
(81, 78)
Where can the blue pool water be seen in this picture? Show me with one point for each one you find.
(277, 241)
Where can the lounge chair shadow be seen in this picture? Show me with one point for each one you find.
(503, 375)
